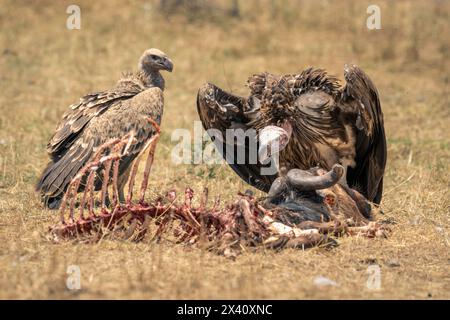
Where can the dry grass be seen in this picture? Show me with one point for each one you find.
(44, 67)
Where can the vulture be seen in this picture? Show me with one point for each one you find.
(315, 120)
(100, 117)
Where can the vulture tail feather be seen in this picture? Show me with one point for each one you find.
(56, 177)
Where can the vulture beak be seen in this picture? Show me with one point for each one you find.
(167, 64)
(273, 139)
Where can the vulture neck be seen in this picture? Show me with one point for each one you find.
(154, 79)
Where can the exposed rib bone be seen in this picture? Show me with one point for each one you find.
(227, 229)
(151, 154)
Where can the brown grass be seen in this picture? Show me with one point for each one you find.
(44, 67)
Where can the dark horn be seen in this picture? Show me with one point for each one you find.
(304, 181)
(277, 190)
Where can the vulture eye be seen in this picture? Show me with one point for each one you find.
(154, 57)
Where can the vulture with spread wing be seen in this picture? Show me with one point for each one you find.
(315, 121)
(102, 116)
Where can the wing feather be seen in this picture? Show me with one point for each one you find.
(360, 98)
(79, 115)
(220, 110)
(97, 119)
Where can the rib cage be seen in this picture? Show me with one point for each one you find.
(225, 229)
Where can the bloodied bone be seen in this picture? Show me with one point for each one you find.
(303, 209)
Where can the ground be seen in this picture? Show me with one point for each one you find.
(44, 67)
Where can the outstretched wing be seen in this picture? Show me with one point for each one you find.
(360, 99)
(220, 110)
(79, 114)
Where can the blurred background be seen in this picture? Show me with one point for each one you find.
(45, 67)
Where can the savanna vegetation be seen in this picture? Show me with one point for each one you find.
(44, 67)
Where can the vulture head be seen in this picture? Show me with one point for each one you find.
(153, 60)
(273, 139)
(277, 112)
(310, 119)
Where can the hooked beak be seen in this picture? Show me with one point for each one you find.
(167, 65)
(273, 139)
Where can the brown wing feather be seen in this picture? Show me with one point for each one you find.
(76, 118)
(121, 117)
(360, 99)
(220, 110)
(259, 83)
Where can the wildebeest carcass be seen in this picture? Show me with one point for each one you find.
(304, 208)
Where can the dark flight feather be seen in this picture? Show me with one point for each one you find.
(348, 121)
(96, 119)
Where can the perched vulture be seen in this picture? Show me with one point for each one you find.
(102, 116)
(315, 120)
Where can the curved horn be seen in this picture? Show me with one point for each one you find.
(304, 181)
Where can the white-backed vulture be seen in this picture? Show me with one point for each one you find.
(325, 124)
(101, 116)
